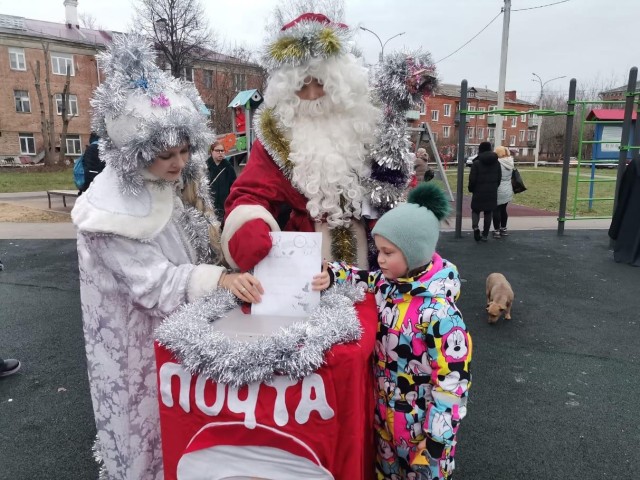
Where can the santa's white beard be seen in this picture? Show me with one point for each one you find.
(328, 153)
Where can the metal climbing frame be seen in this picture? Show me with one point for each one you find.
(463, 112)
(591, 163)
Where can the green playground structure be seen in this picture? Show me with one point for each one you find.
(626, 147)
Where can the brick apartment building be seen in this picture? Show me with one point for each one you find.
(441, 112)
(217, 77)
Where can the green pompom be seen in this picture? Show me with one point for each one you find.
(430, 196)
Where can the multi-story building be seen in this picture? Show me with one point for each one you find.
(441, 112)
(23, 43)
(618, 93)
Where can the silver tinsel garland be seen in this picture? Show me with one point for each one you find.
(295, 351)
(400, 84)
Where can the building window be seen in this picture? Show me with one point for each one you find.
(73, 145)
(445, 132)
(23, 105)
(27, 144)
(60, 62)
(471, 108)
(470, 133)
(523, 118)
(423, 108)
(480, 133)
(512, 140)
(435, 136)
(491, 133)
(514, 121)
(239, 81)
(435, 114)
(481, 109)
(208, 79)
(447, 110)
(187, 74)
(522, 137)
(504, 134)
(16, 59)
(531, 136)
(72, 105)
(492, 108)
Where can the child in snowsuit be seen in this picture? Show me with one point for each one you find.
(423, 349)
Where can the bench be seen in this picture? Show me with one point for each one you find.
(62, 193)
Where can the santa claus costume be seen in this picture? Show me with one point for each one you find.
(310, 154)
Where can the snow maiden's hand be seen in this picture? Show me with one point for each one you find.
(243, 285)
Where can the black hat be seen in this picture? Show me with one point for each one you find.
(484, 147)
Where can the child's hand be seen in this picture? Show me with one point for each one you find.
(322, 281)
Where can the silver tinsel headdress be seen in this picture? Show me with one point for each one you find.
(309, 36)
(139, 111)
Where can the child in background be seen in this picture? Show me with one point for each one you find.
(423, 349)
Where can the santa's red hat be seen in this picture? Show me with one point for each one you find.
(308, 36)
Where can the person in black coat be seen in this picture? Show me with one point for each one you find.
(484, 180)
(221, 177)
(625, 224)
(91, 162)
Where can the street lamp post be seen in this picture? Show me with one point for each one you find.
(379, 40)
(538, 133)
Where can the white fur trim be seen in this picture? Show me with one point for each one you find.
(203, 280)
(105, 209)
(238, 217)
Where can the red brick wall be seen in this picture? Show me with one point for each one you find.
(82, 84)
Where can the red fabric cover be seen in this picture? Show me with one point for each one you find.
(343, 443)
(250, 244)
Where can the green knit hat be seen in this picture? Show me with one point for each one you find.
(414, 227)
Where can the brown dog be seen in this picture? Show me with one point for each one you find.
(499, 297)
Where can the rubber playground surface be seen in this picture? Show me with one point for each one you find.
(554, 391)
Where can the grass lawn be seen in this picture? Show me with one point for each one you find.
(543, 190)
(543, 186)
(34, 179)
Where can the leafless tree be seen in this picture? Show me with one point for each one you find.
(287, 10)
(88, 21)
(553, 129)
(44, 123)
(64, 102)
(179, 29)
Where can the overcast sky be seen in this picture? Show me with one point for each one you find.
(591, 40)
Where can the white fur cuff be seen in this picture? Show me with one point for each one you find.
(237, 218)
(203, 280)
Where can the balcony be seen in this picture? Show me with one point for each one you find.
(491, 119)
(531, 143)
(534, 122)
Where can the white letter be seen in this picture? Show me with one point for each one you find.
(167, 372)
(211, 410)
(280, 413)
(247, 406)
(313, 383)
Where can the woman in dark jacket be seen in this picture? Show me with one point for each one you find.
(221, 177)
(484, 180)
